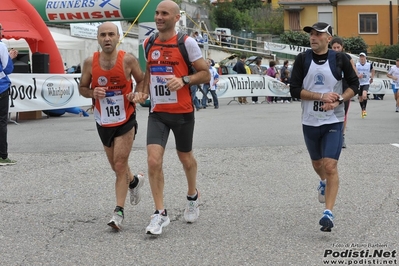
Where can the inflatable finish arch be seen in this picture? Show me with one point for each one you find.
(70, 11)
(21, 20)
(79, 11)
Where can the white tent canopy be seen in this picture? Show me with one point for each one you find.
(63, 42)
(70, 47)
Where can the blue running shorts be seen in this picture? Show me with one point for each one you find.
(323, 141)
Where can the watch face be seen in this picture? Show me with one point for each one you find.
(186, 79)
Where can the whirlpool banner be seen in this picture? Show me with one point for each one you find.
(256, 85)
(35, 92)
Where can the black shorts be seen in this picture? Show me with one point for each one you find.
(108, 134)
(182, 125)
(363, 88)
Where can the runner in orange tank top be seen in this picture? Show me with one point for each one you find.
(115, 109)
(106, 77)
(167, 80)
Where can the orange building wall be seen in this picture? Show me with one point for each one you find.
(348, 23)
(307, 16)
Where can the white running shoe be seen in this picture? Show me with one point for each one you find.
(158, 221)
(191, 212)
(116, 220)
(135, 195)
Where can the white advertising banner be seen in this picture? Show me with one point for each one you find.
(230, 86)
(35, 92)
(250, 85)
(295, 49)
(89, 30)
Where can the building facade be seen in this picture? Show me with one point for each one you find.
(375, 21)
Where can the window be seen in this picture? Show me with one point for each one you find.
(368, 23)
(294, 20)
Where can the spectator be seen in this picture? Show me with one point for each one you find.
(285, 78)
(193, 89)
(6, 68)
(211, 86)
(224, 40)
(198, 37)
(272, 72)
(257, 70)
(239, 67)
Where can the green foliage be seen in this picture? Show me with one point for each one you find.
(355, 45)
(246, 4)
(378, 50)
(267, 20)
(249, 15)
(295, 37)
(226, 16)
(392, 52)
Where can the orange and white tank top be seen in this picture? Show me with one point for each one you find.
(114, 109)
(165, 61)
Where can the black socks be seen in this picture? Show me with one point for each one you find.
(134, 182)
(119, 210)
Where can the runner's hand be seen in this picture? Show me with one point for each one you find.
(138, 97)
(175, 84)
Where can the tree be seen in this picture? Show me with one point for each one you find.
(295, 38)
(226, 16)
(392, 52)
(246, 4)
(267, 20)
(378, 50)
(355, 45)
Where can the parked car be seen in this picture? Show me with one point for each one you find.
(225, 67)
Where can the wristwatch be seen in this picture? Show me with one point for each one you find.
(341, 99)
(186, 80)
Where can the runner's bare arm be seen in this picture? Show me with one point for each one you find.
(143, 88)
(203, 75)
(85, 79)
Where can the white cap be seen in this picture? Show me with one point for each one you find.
(362, 54)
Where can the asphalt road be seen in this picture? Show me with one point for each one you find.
(258, 193)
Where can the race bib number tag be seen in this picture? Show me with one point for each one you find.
(112, 109)
(318, 111)
(160, 93)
